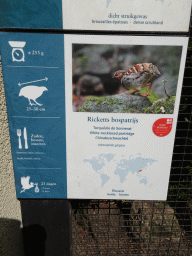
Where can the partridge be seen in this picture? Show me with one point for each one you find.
(138, 77)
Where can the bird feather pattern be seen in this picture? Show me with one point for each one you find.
(138, 76)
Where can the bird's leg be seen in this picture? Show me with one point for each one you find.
(31, 104)
(131, 92)
(38, 103)
(147, 94)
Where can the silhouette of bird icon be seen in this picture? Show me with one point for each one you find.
(32, 92)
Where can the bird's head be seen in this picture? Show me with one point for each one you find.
(154, 70)
(157, 73)
(43, 88)
(118, 74)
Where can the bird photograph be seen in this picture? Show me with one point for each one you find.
(32, 93)
(125, 78)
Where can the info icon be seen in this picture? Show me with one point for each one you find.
(17, 51)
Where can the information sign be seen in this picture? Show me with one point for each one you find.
(81, 125)
(111, 15)
(127, 15)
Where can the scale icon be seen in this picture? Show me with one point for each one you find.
(17, 51)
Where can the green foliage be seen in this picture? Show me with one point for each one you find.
(99, 100)
(152, 98)
(184, 193)
(84, 60)
(129, 110)
(173, 67)
(190, 42)
(109, 47)
(125, 201)
(181, 190)
(164, 106)
(104, 100)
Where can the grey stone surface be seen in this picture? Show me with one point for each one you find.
(89, 85)
(120, 103)
(154, 222)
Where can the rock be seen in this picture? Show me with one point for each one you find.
(154, 222)
(89, 85)
(97, 60)
(171, 85)
(120, 103)
(91, 59)
(96, 227)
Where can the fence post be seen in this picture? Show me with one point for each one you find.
(47, 227)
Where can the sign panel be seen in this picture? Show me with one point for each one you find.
(127, 15)
(44, 14)
(33, 69)
(92, 116)
(112, 15)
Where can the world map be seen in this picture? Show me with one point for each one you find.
(111, 164)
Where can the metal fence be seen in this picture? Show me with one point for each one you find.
(114, 227)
